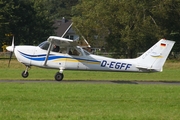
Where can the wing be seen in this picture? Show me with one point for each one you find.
(62, 41)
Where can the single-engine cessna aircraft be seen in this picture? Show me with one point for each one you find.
(64, 54)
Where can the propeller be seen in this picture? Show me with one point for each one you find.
(11, 49)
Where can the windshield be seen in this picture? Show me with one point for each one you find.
(44, 45)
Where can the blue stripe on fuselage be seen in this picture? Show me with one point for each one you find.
(42, 57)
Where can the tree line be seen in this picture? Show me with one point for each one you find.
(122, 26)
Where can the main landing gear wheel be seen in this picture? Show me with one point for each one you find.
(25, 74)
(59, 76)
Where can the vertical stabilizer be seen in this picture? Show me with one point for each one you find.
(154, 58)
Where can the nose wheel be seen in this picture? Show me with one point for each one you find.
(25, 73)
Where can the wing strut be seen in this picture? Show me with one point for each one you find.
(49, 49)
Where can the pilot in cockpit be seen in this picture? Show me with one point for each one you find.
(56, 48)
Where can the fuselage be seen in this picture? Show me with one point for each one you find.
(35, 56)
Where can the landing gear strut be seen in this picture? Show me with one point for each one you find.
(59, 75)
(25, 73)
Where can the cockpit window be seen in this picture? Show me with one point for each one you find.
(44, 45)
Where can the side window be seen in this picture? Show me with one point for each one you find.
(63, 50)
(87, 53)
(75, 52)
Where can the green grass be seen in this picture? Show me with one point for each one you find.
(76, 101)
(170, 73)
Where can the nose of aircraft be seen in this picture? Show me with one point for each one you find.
(9, 48)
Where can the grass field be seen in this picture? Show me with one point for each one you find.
(52, 101)
(74, 101)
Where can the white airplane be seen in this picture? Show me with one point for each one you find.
(64, 54)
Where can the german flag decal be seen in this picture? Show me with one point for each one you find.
(163, 44)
